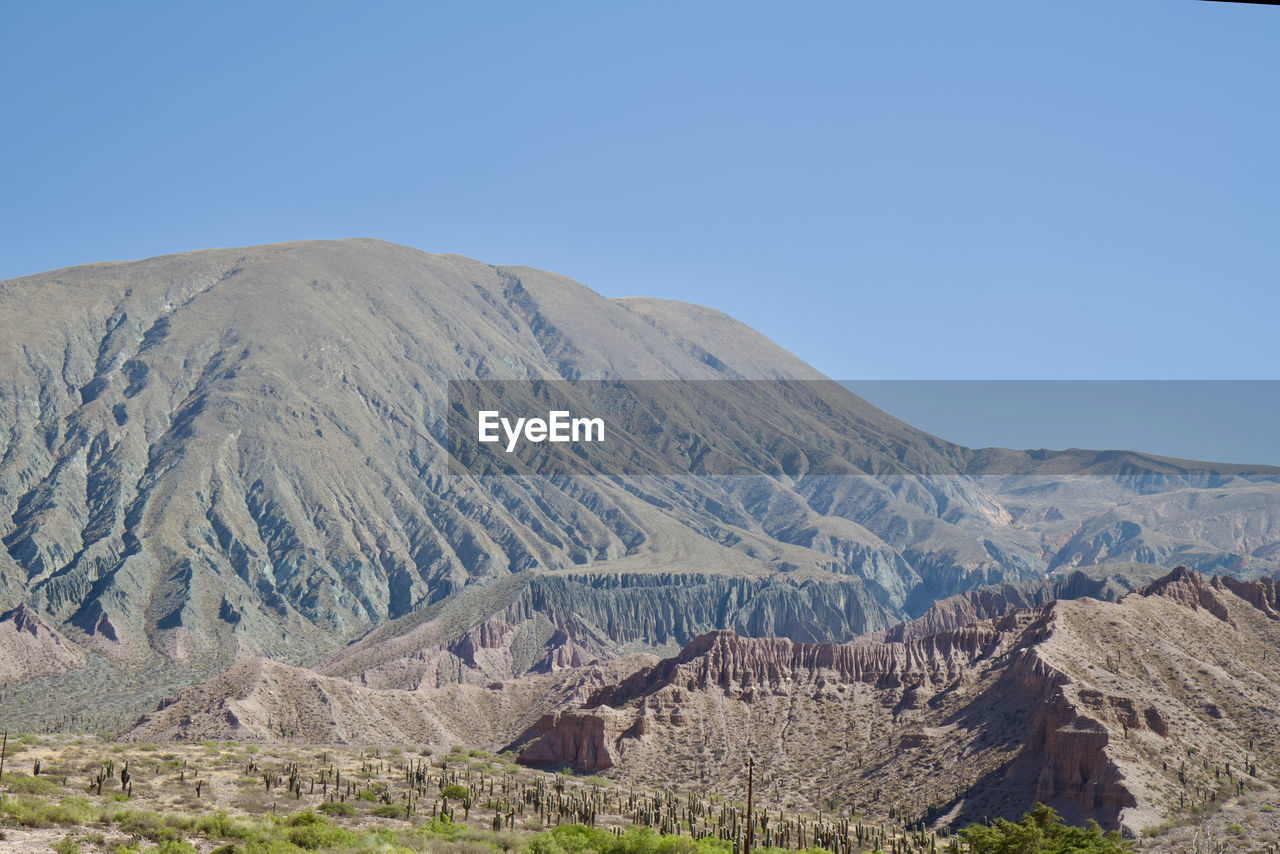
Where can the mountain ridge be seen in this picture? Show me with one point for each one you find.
(240, 450)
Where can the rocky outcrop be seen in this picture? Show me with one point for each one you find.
(262, 700)
(30, 648)
(1106, 583)
(1085, 705)
(670, 609)
(1193, 590)
(578, 738)
(727, 662)
(542, 622)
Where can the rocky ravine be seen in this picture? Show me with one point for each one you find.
(239, 452)
(1128, 713)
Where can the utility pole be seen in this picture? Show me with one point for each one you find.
(751, 821)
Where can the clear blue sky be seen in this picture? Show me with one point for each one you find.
(1083, 189)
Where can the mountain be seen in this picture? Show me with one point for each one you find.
(1132, 713)
(242, 453)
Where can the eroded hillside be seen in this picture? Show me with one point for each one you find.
(238, 453)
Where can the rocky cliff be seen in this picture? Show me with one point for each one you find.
(1130, 712)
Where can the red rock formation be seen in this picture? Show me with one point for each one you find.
(1045, 704)
(582, 739)
(1191, 589)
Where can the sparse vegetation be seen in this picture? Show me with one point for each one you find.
(283, 800)
(290, 800)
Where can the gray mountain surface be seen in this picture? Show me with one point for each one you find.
(241, 453)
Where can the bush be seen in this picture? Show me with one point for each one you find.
(577, 839)
(337, 808)
(389, 811)
(27, 811)
(312, 837)
(21, 784)
(66, 846)
(222, 826)
(454, 792)
(175, 846)
(311, 832)
(149, 826)
(444, 827)
(1041, 831)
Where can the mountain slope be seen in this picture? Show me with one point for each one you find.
(242, 451)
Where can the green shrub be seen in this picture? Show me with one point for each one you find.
(21, 784)
(219, 825)
(337, 808)
(175, 846)
(28, 811)
(276, 846)
(574, 838)
(147, 825)
(1041, 831)
(66, 846)
(443, 827)
(312, 837)
(454, 792)
(389, 811)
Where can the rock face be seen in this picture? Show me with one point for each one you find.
(29, 648)
(1108, 583)
(550, 622)
(1088, 706)
(242, 450)
(262, 700)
